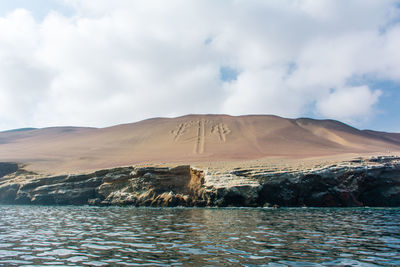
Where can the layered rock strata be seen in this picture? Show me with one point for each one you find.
(361, 182)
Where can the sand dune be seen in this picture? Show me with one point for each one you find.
(191, 138)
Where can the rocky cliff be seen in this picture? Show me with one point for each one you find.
(360, 182)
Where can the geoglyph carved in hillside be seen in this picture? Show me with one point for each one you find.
(181, 130)
(202, 128)
(221, 129)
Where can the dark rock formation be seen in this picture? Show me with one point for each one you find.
(372, 182)
(7, 168)
(342, 187)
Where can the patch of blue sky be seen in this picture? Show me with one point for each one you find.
(290, 69)
(208, 41)
(388, 107)
(387, 117)
(39, 8)
(228, 74)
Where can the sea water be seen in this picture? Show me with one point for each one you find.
(118, 236)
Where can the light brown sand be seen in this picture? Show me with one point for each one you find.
(206, 140)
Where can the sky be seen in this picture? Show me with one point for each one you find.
(105, 62)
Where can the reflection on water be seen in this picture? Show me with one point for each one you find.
(97, 236)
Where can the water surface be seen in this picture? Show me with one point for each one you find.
(99, 236)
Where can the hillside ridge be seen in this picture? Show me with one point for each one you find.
(187, 139)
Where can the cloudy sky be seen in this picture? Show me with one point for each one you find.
(105, 62)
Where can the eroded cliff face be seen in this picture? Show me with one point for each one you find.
(7, 168)
(146, 186)
(368, 182)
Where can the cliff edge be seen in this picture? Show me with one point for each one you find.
(360, 182)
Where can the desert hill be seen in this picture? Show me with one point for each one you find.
(191, 138)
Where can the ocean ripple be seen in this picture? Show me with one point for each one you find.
(104, 236)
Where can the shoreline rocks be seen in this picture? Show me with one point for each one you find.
(370, 182)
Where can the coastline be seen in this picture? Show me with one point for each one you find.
(373, 182)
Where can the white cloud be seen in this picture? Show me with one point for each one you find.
(123, 60)
(349, 103)
(259, 92)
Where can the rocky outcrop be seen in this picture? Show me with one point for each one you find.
(146, 186)
(370, 182)
(7, 168)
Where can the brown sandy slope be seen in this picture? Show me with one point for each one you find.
(192, 138)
